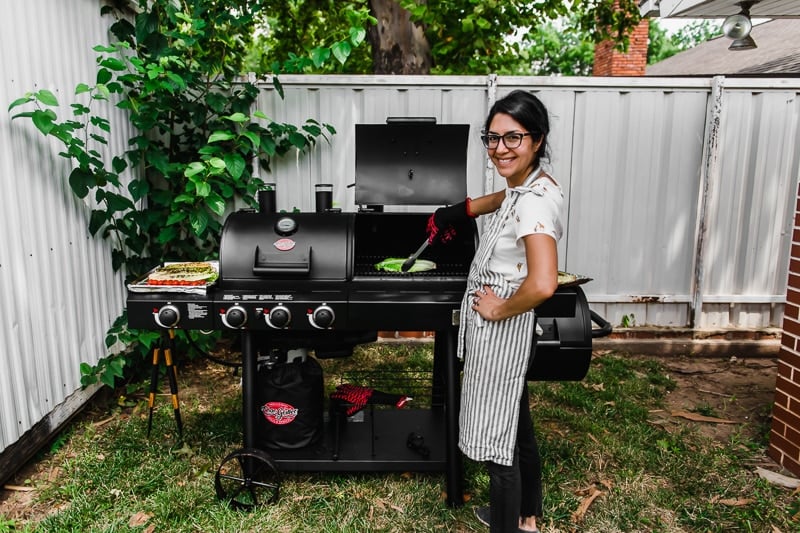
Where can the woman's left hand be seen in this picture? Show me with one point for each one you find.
(485, 302)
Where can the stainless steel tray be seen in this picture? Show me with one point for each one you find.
(141, 285)
(578, 280)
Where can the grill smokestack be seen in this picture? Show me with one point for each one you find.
(323, 194)
(266, 198)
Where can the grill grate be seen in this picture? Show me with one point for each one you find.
(365, 266)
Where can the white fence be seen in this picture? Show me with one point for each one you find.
(58, 293)
(679, 191)
(680, 195)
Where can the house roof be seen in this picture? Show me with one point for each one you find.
(778, 53)
(718, 8)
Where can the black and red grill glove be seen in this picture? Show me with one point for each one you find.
(443, 222)
(358, 397)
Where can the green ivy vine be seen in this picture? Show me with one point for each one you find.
(174, 69)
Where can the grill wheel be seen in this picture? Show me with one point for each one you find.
(247, 478)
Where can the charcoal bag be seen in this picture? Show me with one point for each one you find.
(290, 402)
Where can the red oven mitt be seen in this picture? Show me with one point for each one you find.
(358, 397)
(442, 223)
(355, 395)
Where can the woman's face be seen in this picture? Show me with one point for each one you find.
(514, 164)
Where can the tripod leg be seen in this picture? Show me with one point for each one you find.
(151, 400)
(172, 375)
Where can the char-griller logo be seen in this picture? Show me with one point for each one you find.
(284, 245)
(279, 413)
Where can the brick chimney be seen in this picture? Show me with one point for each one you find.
(611, 62)
(784, 436)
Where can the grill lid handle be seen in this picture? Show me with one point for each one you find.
(411, 120)
(294, 262)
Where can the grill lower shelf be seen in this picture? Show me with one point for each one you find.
(374, 441)
(379, 442)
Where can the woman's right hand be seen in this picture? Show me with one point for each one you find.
(443, 222)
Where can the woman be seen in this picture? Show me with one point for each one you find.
(514, 270)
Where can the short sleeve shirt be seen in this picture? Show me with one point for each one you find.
(538, 210)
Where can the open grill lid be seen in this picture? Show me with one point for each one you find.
(411, 161)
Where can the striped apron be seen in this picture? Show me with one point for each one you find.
(495, 355)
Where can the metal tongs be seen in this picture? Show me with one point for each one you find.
(408, 263)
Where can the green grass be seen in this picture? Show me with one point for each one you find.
(595, 435)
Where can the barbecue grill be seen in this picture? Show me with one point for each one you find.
(297, 282)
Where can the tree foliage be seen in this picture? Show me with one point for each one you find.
(296, 29)
(662, 45)
(480, 37)
(464, 36)
(556, 48)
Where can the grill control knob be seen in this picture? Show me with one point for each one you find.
(235, 317)
(279, 317)
(168, 316)
(322, 317)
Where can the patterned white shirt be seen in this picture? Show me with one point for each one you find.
(536, 212)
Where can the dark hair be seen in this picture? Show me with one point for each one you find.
(529, 111)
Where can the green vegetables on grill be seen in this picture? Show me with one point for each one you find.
(394, 264)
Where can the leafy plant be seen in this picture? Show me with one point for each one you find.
(175, 71)
(628, 321)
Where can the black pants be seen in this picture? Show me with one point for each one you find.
(516, 491)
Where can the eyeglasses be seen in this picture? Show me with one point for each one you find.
(511, 140)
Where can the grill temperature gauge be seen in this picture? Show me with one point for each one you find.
(322, 317)
(279, 317)
(285, 226)
(235, 317)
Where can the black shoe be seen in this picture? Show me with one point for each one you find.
(483, 515)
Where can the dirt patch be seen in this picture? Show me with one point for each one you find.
(735, 394)
(738, 392)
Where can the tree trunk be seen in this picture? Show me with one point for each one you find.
(398, 45)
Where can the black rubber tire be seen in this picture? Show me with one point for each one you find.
(247, 478)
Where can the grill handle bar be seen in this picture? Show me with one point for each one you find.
(605, 326)
(411, 120)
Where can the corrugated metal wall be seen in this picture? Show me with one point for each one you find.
(679, 193)
(639, 159)
(58, 293)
